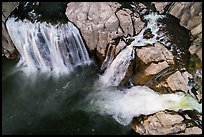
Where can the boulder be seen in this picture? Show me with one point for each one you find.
(97, 22)
(197, 30)
(138, 24)
(125, 22)
(155, 68)
(155, 53)
(160, 123)
(179, 81)
(150, 61)
(160, 6)
(189, 13)
(192, 131)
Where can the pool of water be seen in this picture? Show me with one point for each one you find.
(42, 104)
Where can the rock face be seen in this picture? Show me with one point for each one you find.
(101, 23)
(190, 15)
(160, 6)
(179, 81)
(164, 123)
(97, 22)
(192, 131)
(160, 123)
(151, 61)
(8, 48)
(103, 27)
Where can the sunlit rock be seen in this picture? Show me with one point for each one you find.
(8, 48)
(161, 123)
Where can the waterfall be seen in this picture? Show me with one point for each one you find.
(116, 72)
(125, 104)
(46, 47)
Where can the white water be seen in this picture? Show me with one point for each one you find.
(59, 49)
(124, 105)
(116, 72)
(154, 26)
(46, 47)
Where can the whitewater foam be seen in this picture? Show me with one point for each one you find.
(47, 48)
(125, 104)
(116, 72)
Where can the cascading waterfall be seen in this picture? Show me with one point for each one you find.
(59, 49)
(46, 47)
(125, 104)
(116, 72)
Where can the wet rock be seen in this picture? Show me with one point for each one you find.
(138, 24)
(8, 47)
(150, 61)
(197, 30)
(96, 21)
(110, 54)
(189, 13)
(101, 22)
(155, 53)
(154, 68)
(160, 123)
(160, 6)
(125, 22)
(179, 81)
(192, 131)
(120, 46)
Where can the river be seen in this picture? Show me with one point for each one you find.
(42, 104)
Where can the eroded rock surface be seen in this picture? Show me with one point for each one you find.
(8, 48)
(97, 22)
(160, 123)
(101, 23)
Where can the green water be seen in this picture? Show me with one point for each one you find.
(42, 104)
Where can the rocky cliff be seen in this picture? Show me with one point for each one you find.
(8, 48)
